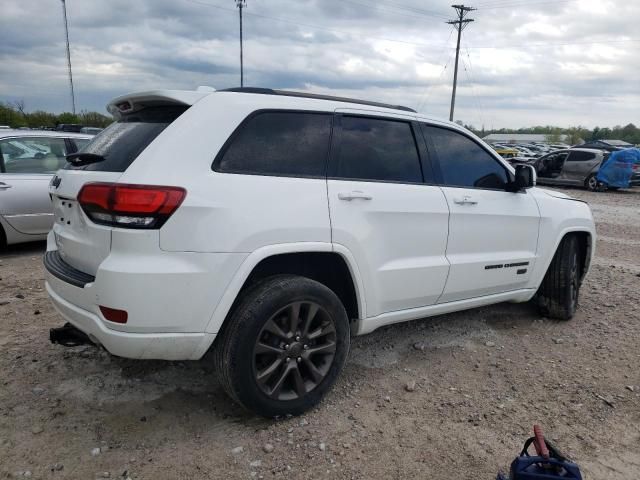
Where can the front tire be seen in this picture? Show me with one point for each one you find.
(558, 293)
(283, 346)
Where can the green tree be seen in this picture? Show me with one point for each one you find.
(94, 119)
(41, 119)
(68, 117)
(10, 116)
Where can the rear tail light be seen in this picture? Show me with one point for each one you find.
(130, 206)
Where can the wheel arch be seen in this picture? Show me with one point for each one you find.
(318, 261)
(586, 242)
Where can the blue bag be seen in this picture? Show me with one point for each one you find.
(616, 171)
(547, 464)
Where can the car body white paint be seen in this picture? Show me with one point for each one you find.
(412, 251)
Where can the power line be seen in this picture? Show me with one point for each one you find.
(401, 12)
(66, 36)
(460, 23)
(441, 57)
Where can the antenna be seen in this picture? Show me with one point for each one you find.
(66, 34)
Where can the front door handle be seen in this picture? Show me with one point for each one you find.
(4, 186)
(466, 200)
(356, 194)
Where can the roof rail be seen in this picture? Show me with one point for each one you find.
(287, 93)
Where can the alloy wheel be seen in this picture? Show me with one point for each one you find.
(294, 351)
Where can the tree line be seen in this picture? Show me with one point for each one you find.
(629, 133)
(14, 115)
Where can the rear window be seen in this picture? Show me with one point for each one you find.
(122, 141)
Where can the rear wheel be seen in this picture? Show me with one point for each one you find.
(558, 294)
(591, 183)
(284, 346)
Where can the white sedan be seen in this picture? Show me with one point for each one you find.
(28, 161)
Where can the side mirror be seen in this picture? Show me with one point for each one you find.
(526, 177)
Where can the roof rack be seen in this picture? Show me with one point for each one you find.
(287, 93)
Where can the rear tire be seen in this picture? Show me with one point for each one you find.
(558, 293)
(283, 346)
(591, 183)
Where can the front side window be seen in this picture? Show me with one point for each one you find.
(279, 143)
(33, 154)
(376, 149)
(463, 162)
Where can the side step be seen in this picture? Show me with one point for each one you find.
(68, 336)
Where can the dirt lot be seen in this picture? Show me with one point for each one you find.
(482, 379)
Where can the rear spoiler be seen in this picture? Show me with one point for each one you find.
(133, 102)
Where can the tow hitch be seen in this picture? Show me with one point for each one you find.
(69, 336)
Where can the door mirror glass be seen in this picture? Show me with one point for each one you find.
(526, 177)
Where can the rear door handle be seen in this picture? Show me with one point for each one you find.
(356, 194)
(4, 186)
(466, 200)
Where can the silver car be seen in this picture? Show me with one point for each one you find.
(575, 166)
(28, 161)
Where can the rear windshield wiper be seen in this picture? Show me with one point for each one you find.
(82, 158)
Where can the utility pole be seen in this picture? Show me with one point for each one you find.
(66, 35)
(241, 4)
(460, 23)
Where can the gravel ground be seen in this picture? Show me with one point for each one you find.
(443, 398)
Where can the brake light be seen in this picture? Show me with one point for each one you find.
(130, 206)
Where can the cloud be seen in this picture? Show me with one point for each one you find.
(522, 62)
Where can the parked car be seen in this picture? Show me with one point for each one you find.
(28, 160)
(270, 226)
(575, 166)
(91, 130)
(69, 127)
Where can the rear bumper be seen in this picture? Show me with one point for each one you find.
(169, 297)
(163, 346)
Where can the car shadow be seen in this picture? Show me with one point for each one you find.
(30, 248)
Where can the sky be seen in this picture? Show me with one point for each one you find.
(522, 62)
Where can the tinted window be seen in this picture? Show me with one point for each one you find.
(280, 143)
(463, 162)
(581, 157)
(32, 154)
(122, 141)
(374, 149)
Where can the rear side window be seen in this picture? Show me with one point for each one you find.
(377, 149)
(581, 156)
(279, 143)
(122, 141)
(463, 162)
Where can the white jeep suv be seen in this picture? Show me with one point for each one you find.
(270, 226)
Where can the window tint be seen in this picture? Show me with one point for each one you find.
(463, 162)
(33, 154)
(581, 156)
(280, 143)
(374, 149)
(122, 141)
